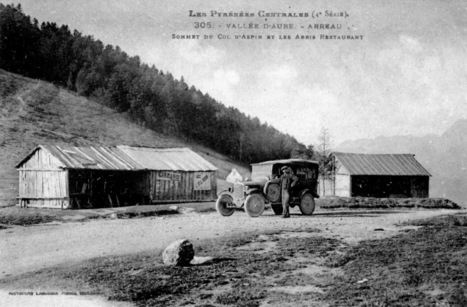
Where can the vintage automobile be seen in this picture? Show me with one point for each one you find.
(264, 188)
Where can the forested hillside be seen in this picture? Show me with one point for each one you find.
(36, 112)
(151, 97)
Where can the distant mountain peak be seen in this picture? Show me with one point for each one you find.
(459, 127)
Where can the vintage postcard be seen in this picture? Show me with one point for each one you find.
(137, 134)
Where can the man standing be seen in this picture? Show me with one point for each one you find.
(288, 181)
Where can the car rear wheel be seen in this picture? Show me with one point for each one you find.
(307, 204)
(277, 208)
(254, 205)
(221, 205)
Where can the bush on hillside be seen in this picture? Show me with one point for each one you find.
(373, 203)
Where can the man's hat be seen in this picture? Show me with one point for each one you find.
(284, 168)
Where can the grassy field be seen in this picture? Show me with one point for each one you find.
(423, 267)
(30, 216)
(426, 267)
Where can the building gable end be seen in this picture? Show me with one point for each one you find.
(40, 159)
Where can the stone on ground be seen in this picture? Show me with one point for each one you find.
(179, 253)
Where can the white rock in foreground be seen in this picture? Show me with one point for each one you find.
(179, 253)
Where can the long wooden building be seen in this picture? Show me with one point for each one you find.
(84, 177)
(376, 175)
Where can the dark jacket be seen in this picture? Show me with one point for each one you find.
(288, 181)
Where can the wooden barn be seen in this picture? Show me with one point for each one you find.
(376, 175)
(89, 177)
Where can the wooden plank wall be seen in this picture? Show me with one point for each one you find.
(342, 185)
(42, 160)
(327, 187)
(180, 187)
(48, 203)
(420, 186)
(41, 182)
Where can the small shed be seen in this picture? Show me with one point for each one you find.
(65, 177)
(376, 175)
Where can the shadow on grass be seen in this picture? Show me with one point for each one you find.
(372, 213)
(130, 214)
(213, 261)
(222, 259)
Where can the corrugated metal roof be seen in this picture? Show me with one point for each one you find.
(126, 158)
(171, 159)
(381, 164)
(93, 157)
(287, 161)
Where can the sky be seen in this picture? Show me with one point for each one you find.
(407, 76)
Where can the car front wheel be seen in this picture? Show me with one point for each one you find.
(254, 205)
(307, 204)
(221, 205)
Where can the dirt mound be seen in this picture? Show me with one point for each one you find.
(385, 203)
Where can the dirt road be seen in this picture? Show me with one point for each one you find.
(26, 249)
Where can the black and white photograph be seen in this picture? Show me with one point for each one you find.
(263, 153)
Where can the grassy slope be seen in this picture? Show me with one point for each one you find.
(34, 112)
(426, 267)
